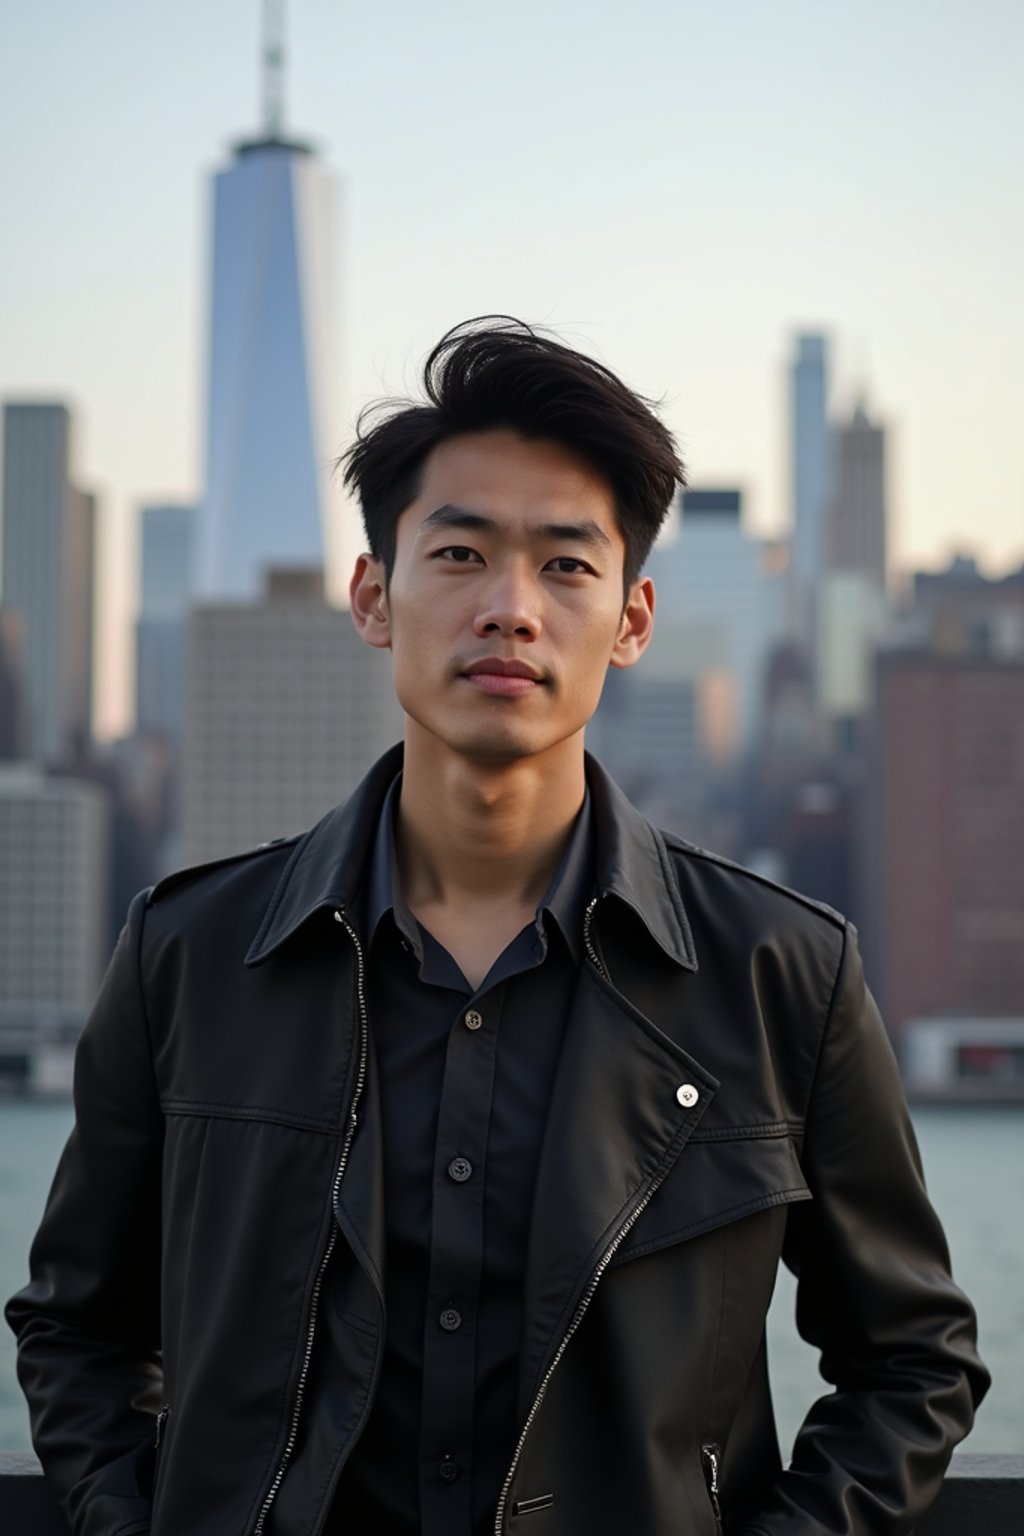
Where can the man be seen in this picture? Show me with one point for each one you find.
(432, 1170)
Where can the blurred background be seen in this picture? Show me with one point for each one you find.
(798, 227)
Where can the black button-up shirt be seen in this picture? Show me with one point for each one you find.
(465, 1079)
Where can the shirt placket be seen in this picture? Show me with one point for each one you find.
(456, 1263)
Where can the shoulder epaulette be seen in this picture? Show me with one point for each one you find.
(196, 871)
(680, 845)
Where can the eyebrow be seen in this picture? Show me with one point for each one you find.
(450, 516)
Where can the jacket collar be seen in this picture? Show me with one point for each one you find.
(633, 866)
(326, 867)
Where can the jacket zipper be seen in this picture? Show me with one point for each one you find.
(577, 1318)
(709, 1455)
(592, 1284)
(588, 942)
(314, 1307)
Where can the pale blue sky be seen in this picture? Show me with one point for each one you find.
(675, 186)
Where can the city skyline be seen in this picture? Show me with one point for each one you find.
(682, 208)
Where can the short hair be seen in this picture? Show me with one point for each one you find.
(494, 373)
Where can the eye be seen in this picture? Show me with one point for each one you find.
(568, 565)
(457, 554)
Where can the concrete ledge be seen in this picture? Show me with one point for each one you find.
(27, 1507)
(982, 1496)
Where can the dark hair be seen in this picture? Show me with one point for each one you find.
(497, 372)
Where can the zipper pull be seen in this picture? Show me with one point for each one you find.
(710, 1456)
(161, 1420)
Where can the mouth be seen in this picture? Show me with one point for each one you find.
(506, 679)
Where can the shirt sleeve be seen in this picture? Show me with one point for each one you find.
(88, 1322)
(875, 1296)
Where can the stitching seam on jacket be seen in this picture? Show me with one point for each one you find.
(775, 1130)
(257, 1114)
(143, 910)
(826, 1028)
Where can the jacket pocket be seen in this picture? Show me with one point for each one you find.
(533, 1506)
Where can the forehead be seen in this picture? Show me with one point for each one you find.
(518, 483)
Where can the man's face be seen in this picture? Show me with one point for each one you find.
(504, 608)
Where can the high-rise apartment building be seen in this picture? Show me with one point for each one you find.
(809, 474)
(271, 426)
(944, 902)
(166, 587)
(857, 517)
(286, 709)
(55, 851)
(48, 576)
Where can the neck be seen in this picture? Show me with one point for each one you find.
(472, 832)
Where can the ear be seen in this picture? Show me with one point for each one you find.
(636, 625)
(368, 602)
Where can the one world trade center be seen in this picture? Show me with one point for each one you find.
(270, 423)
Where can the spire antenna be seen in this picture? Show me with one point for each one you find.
(273, 67)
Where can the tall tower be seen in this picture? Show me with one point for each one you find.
(858, 514)
(48, 581)
(810, 458)
(271, 424)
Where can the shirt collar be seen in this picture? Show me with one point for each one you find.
(564, 901)
(326, 867)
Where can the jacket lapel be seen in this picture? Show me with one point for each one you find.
(620, 1114)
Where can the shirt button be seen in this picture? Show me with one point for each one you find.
(448, 1471)
(460, 1169)
(450, 1319)
(472, 1019)
(687, 1095)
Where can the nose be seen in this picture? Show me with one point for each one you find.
(509, 606)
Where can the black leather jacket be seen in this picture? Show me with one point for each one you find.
(215, 1238)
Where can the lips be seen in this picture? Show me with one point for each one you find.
(509, 679)
(495, 666)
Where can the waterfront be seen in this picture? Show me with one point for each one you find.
(974, 1162)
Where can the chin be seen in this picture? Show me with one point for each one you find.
(495, 748)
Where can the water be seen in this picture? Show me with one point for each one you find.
(974, 1163)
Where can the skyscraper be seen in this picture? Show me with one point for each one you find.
(675, 729)
(54, 896)
(720, 609)
(48, 576)
(945, 894)
(809, 462)
(286, 710)
(857, 523)
(165, 589)
(270, 425)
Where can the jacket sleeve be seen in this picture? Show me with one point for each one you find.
(88, 1323)
(874, 1295)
